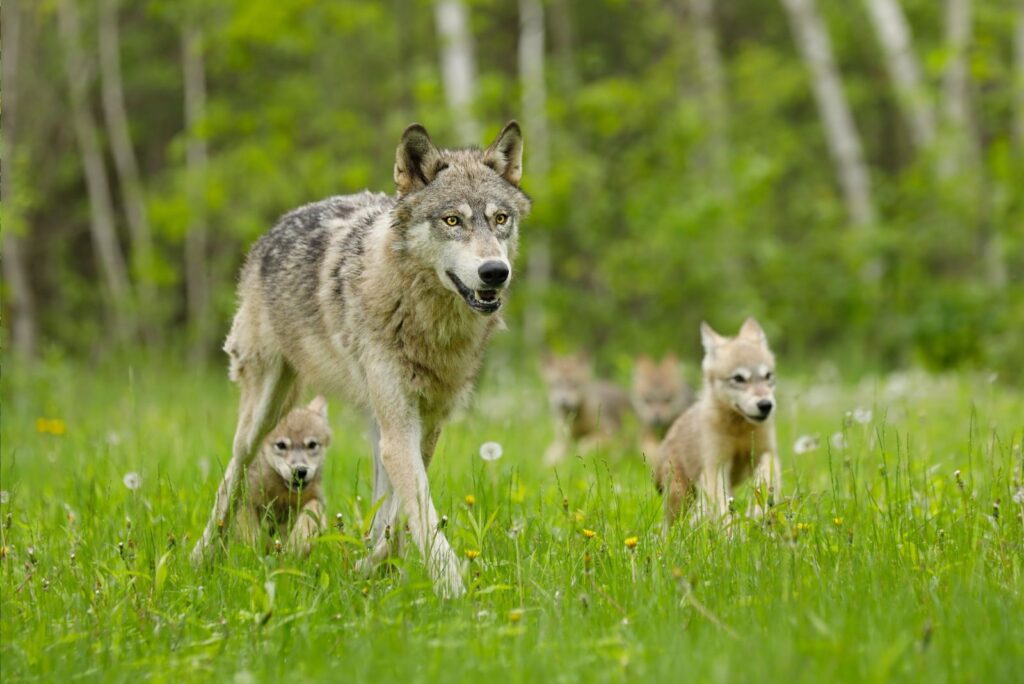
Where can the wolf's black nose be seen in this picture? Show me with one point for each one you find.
(493, 273)
(765, 407)
(300, 473)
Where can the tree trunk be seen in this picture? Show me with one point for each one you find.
(104, 233)
(535, 120)
(1018, 48)
(127, 167)
(893, 33)
(197, 284)
(561, 34)
(16, 282)
(712, 86)
(458, 68)
(956, 107)
(841, 133)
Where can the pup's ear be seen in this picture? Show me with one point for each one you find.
(670, 362)
(319, 405)
(753, 331)
(417, 161)
(505, 155)
(644, 363)
(709, 338)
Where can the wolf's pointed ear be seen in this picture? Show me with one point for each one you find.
(669, 362)
(753, 331)
(417, 161)
(319, 405)
(505, 155)
(709, 338)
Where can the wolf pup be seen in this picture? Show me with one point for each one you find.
(389, 302)
(284, 480)
(659, 396)
(716, 443)
(587, 411)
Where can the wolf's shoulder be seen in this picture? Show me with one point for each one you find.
(336, 211)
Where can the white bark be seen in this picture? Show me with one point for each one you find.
(197, 286)
(712, 84)
(116, 117)
(1018, 99)
(458, 68)
(841, 133)
(535, 121)
(16, 282)
(893, 31)
(104, 234)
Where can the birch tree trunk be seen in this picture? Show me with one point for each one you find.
(116, 117)
(458, 69)
(890, 24)
(562, 39)
(197, 285)
(955, 86)
(104, 234)
(16, 282)
(712, 85)
(535, 120)
(841, 133)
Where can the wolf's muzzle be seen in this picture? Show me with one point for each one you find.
(484, 301)
(493, 273)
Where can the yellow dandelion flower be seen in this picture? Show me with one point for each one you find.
(470, 500)
(42, 425)
(838, 522)
(472, 554)
(589, 534)
(803, 527)
(515, 615)
(631, 542)
(580, 517)
(57, 427)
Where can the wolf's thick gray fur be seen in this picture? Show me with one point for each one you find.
(388, 302)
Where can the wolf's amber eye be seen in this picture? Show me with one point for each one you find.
(769, 376)
(452, 220)
(501, 218)
(311, 444)
(281, 445)
(738, 379)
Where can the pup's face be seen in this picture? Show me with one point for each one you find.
(740, 371)
(567, 378)
(659, 391)
(295, 448)
(462, 209)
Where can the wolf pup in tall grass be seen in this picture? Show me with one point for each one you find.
(587, 410)
(284, 481)
(388, 301)
(659, 396)
(728, 433)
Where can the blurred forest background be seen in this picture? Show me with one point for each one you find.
(852, 172)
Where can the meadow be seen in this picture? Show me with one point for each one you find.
(896, 552)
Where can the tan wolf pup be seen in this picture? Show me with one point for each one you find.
(389, 302)
(659, 395)
(587, 410)
(728, 433)
(284, 481)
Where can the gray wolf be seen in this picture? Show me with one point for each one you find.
(389, 303)
(659, 395)
(284, 481)
(728, 433)
(587, 410)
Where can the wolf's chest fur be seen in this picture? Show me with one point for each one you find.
(345, 297)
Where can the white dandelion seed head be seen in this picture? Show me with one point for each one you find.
(5, 496)
(837, 440)
(490, 451)
(804, 444)
(1018, 496)
(132, 480)
(862, 415)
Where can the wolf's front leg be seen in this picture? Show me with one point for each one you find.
(309, 523)
(713, 493)
(768, 482)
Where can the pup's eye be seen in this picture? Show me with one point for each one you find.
(312, 444)
(501, 218)
(738, 379)
(452, 220)
(769, 376)
(281, 445)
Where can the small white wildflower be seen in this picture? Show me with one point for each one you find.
(1018, 496)
(132, 481)
(805, 443)
(862, 415)
(490, 451)
(838, 440)
(5, 496)
(113, 438)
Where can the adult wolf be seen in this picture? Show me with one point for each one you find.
(387, 301)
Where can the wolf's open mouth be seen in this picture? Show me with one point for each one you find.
(484, 301)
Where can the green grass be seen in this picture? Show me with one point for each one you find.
(876, 565)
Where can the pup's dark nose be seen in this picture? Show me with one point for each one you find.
(765, 407)
(493, 273)
(300, 473)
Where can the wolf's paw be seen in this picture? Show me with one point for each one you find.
(447, 573)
